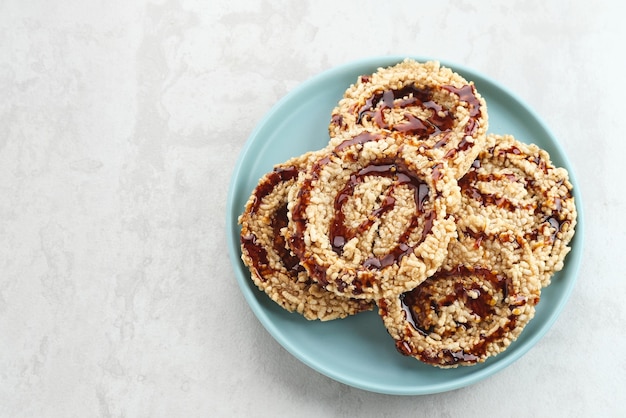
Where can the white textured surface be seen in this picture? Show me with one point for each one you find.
(120, 123)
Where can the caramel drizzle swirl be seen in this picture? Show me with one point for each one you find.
(424, 304)
(440, 119)
(553, 218)
(257, 252)
(339, 233)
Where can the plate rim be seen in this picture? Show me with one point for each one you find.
(522, 346)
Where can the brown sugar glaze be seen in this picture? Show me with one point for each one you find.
(422, 307)
(257, 252)
(553, 219)
(340, 234)
(440, 119)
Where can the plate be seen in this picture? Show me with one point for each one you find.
(357, 351)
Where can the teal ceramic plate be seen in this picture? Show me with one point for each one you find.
(357, 351)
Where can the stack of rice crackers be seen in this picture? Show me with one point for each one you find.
(413, 209)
